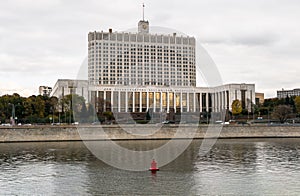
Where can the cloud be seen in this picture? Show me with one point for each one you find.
(255, 39)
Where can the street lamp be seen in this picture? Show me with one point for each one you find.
(16, 119)
(70, 106)
(13, 111)
(52, 118)
(207, 117)
(253, 112)
(268, 116)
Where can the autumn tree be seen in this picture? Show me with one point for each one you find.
(297, 104)
(236, 107)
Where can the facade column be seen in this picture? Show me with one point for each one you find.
(224, 103)
(215, 102)
(96, 99)
(200, 102)
(174, 103)
(161, 102)
(147, 100)
(194, 101)
(168, 102)
(112, 100)
(133, 101)
(188, 101)
(104, 97)
(225, 99)
(119, 101)
(126, 101)
(141, 104)
(207, 104)
(220, 102)
(154, 101)
(212, 102)
(181, 102)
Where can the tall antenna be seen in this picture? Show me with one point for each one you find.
(143, 11)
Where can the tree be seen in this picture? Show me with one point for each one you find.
(148, 116)
(71, 107)
(84, 113)
(282, 113)
(109, 115)
(236, 107)
(297, 104)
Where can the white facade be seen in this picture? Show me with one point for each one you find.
(137, 72)
(165, 99)
(45, 90)
(65, 87)
(141, 58)
(288, 93)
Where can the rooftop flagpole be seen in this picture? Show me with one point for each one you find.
(143, 11)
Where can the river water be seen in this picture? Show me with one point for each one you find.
(235, 166)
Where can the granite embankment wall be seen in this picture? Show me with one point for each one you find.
(136, 132)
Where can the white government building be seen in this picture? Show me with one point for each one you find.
(138, 72)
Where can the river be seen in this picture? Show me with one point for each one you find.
(233, 166)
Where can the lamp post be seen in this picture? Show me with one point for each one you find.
(268, 116)
(253, 112)
(13, 113)
(70, 106)
(207, 117)
(52, 118)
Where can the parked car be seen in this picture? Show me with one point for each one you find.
(96, 123)
(6, 124)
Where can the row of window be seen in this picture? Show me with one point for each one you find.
(140, 38)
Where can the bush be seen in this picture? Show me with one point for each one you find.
(142, 121)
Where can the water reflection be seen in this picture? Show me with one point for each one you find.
(264, 166)
(251, 167)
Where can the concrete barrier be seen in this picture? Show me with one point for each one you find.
(115, 132)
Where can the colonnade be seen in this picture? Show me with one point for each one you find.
(160, 101)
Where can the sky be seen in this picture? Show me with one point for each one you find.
(255, 41)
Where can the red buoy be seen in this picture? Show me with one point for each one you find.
(153, 167)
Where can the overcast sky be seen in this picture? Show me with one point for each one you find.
(255, 41)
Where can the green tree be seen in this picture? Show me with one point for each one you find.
(39, 106)
(236, 107)
(72, 106)
(148, 116)
(84, 115)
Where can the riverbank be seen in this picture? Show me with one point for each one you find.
(142, 132)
